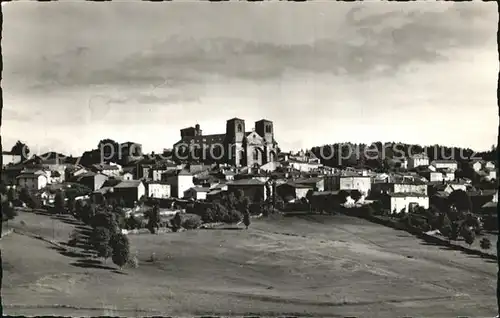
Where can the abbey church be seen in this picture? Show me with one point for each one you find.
(236, 147)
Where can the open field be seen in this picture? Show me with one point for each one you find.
(310, 266)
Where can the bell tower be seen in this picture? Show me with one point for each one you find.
(235, 136)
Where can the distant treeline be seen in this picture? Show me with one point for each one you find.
(380, 155)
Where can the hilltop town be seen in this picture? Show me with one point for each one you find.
(111, 196)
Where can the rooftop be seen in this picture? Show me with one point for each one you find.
(408, 194)
(245, 182)
(128, 184)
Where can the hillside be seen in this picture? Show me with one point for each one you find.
(310, 265)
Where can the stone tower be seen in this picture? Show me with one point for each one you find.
(265, 129)
(235, 136)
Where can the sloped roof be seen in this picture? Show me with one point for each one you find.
(490, 204)
(444, 161)
(407, 194)
(104, 166)
(200, 189)
(128, 184)
(245, 182)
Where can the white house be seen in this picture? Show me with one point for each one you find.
(418, 160)
(196, 193)
(32, 180)
(348, 181)
(111, 169)
(445, 164)
(477, 165)
(407, 201)
(435, 176)
(179, 181)
(130, 191)
(158, 189)
(481, 164)
(454, 187)
(127, 176)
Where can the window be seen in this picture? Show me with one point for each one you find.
(240, 128)
(269, 129)
(256, 154)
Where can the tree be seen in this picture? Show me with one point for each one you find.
(460, 200)
(455, 231)
(485, 243)
(468, 236)
(107, 220)
(121, 249)
(8, 211)
(446, 227)
(132, 223)
(101, 241)
(246, 219)
(12, 194)
(356, 195)
(59, 203)
(71, 205)
(309, 197)
(153, 216)
(176, 222)
(21, 149)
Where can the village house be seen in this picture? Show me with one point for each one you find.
(237, 146)
(109, 169)
(252, 188)
(348, 181)
(478, 165)
(315, 183)
(160, 169)
(398, 185)
(418, 160)
(73, 171)
(488, 174)
(445, 164)
(130, 191)
(158, 189)
(407, 202)
(179, 182)
(433, 176)
(93, 181)
(480, 197)
(197, 193)
(34, 180)
(127, 176)
(399, 163)
(9, 158)
(291, 191)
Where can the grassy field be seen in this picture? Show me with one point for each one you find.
(324, 266)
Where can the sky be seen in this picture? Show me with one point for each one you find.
(323, 72)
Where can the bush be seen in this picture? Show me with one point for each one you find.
(121, 249)
(191, 221)
(133, 262)
(485, 243)
(232, 216)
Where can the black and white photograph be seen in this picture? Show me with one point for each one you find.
(249, 159)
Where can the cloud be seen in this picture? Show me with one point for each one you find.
(369, 40)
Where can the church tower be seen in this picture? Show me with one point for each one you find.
(235, 136)
(265, 129)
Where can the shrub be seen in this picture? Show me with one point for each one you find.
(191, 221)
(121, 249)
(468, 236)
(133, 262)
(485, 243)
(232, 216)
